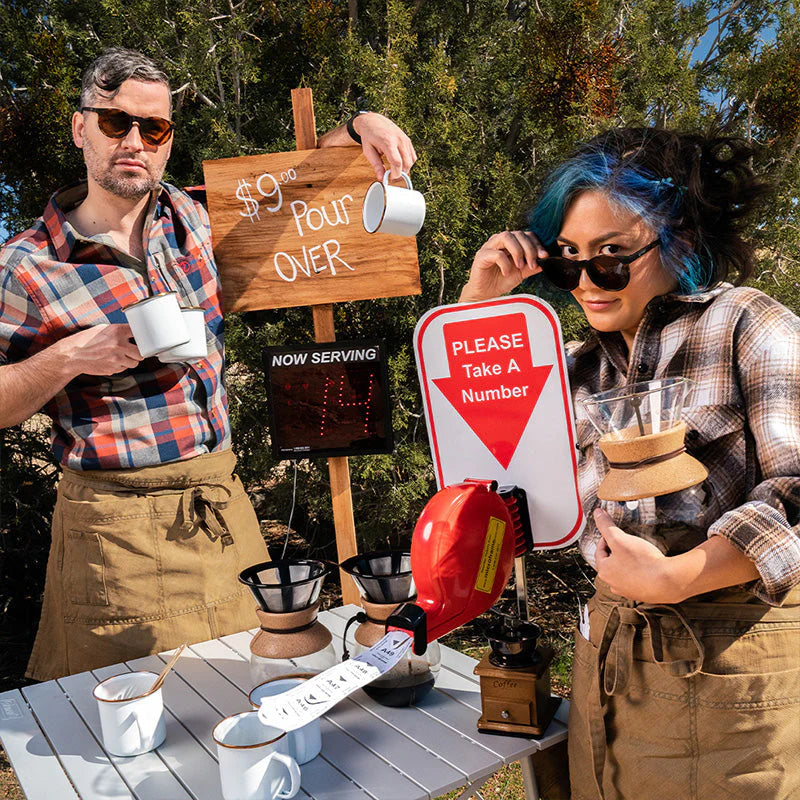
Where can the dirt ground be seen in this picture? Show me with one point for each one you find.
(556, 582)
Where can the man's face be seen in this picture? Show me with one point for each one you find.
(127, 167)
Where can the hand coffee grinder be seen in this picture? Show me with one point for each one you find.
(515, 674)
(291, 639)
(465, 544)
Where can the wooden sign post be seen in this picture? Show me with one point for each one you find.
(287, 232)
(305, 131)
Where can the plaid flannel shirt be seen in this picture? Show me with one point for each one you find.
(54, 282)
(742, 349)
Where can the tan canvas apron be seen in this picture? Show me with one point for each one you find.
(144, 559)
(696, 701)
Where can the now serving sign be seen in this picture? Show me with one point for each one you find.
(498, 406)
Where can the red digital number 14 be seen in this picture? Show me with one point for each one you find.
(333, 397)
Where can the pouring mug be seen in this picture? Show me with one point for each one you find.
(157, 323)
(393, 209)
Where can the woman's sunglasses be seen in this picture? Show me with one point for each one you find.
(606, 272)
(115, 123)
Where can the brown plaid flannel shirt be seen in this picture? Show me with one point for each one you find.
(742, 349)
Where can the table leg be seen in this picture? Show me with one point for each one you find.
(529, 779)
(472, 789)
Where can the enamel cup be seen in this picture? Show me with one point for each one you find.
(197, 346)
(254, 760)
(304, 743)
(132, 722)
(393, 209)
(157, 323)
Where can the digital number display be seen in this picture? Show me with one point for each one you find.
(328, 399)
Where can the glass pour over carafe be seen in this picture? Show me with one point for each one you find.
(385, 581)
(642, 438)
(291, 638)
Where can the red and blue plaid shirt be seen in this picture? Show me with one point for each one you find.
(54, 282)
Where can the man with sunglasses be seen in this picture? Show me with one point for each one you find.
(151, 525)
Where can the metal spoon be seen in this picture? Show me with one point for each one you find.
(167, 667)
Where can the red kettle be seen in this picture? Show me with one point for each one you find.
(462, 553)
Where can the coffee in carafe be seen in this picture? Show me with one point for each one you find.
(384, 580)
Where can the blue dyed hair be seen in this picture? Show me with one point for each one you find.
(658, 200)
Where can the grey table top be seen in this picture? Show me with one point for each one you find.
(51, 734)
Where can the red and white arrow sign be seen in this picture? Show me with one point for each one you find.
(492, 377)
(498, 405)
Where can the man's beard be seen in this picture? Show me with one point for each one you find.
(130, 186)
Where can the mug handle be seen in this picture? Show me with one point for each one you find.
(403, 175)
(294, 775)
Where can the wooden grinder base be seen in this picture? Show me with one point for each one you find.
(516, 701)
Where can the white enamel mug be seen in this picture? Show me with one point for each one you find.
(393, 209)
(197, 346)
(132, 722)
(254, 760)
(157, 323)
(304, 743)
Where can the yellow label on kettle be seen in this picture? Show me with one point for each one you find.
(491, 555)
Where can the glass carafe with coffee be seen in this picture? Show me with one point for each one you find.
(291, 639)
(384, 581)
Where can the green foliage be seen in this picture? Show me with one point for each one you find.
(493, 94)
(27, 496)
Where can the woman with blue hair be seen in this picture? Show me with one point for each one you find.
(687, 682)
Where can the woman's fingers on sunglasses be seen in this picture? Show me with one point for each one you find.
(497, 258)
(516, 249)
(533, 251)
(522, 246)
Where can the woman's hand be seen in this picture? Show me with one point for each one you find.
(638, 570)
(632, 567)
(504, 261)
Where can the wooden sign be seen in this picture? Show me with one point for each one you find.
(287, 231)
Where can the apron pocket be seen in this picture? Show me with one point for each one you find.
(111, 561)
(747, 733)
(84, 569)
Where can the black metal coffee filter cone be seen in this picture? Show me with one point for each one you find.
(285, 585)
(513, 645)
(382, 576)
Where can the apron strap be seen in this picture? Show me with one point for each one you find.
(615, 662)
(200, 509)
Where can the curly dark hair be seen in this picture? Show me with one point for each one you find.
(695, 190)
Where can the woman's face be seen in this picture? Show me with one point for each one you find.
(592, 226)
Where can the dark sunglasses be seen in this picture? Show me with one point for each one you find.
(115, 123)
(606, 272)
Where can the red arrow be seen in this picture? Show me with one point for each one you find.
(493, 384)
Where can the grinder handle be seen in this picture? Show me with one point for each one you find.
(411, 618)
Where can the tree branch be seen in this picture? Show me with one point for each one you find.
(206, 100)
